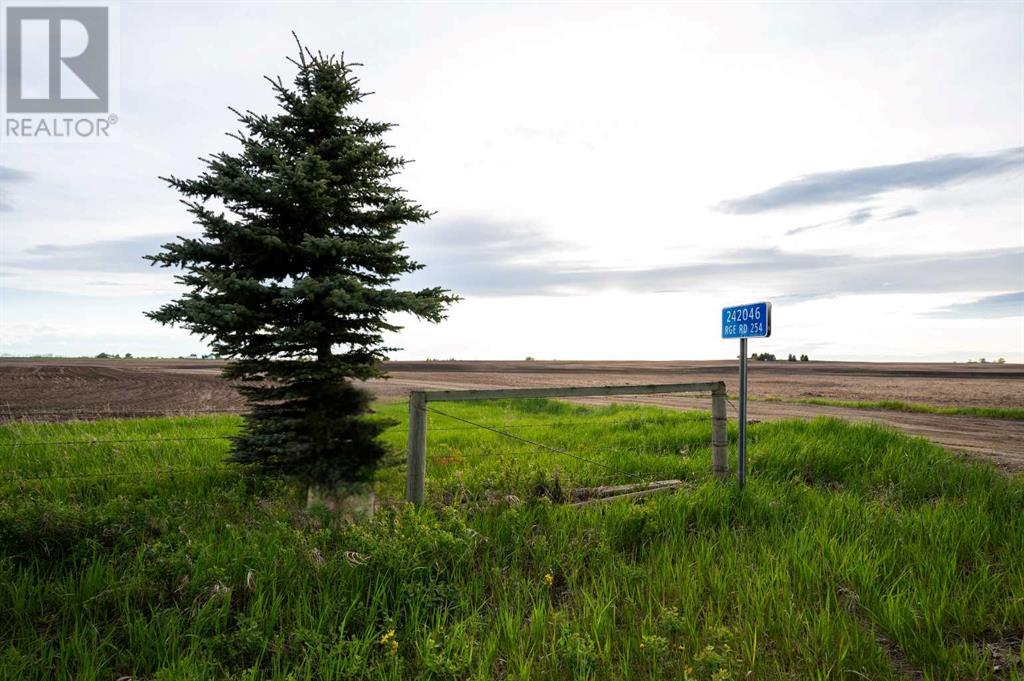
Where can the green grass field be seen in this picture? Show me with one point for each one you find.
(853, 553)
(1011, 413)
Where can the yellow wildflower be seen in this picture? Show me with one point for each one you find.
(389, 642)
(549, 579)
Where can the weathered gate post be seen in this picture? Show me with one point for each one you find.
(719, 433)
(417, 448)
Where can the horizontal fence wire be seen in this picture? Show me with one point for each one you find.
(118, 474)
(11, 414)
(455, 457)
(493, 426)
(85, 411)
(32, 443)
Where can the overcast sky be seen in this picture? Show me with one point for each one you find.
(606, 177)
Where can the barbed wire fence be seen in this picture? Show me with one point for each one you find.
(499, 430)
(416, 467)
(10, 416)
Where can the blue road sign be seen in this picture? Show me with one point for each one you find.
(747, 321)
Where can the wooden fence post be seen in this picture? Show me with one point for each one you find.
(416, 469)
(719, 434)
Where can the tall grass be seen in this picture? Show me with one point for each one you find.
(854, 552)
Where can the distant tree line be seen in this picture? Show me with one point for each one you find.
(128, 355)
(769, 357)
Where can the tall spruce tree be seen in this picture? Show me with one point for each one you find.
(293, 278)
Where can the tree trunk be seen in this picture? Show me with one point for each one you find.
(350, 499)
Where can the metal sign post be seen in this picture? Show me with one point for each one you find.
(743, 322)
(742, 447)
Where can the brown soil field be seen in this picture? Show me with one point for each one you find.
(68, 388)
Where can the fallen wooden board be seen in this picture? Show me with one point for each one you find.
(632, 495)
(588, 493)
